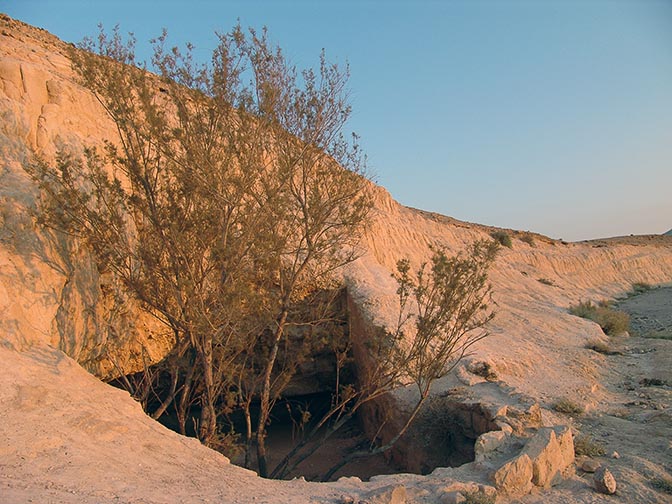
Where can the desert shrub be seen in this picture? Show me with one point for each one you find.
(545, 281)
(502, 237)
(585, 309)
(639, 287)
(568, 407)
(585, 445)
(653, 382)
(479, 498)
(662, 485)
(610, 320)
(527, 238)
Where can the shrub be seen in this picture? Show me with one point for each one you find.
(585, 309)
(502, 237)
(568, 407)
(545, 281)
(611, 321)
(528, 238)
(639, 288)
(585, 445)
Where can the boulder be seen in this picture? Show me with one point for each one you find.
(487, 443)
(514, 477)
(453, 498)
(551, 451)
(590, 465)
(604, 481)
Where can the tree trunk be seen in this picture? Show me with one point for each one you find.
(265, 399)
(208, 421)
(248, 434)
(185, 399)
(174, 375)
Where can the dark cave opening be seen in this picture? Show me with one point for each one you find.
(443, 435)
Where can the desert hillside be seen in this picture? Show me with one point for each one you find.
(68, 437)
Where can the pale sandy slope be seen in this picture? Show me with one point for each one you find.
(67, 437)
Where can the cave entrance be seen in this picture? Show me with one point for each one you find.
(288, 426)
(443, 435)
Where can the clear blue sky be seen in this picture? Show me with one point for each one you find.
(549, 116)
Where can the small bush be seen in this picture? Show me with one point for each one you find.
(611, 321)
(502, 237)
(545, 281)
(640, 287)
(662, 485)
(479, 498)
(585, 445)
(568, 407)
(528, 238)
(653, 382)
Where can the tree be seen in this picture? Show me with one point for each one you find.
(229, 198)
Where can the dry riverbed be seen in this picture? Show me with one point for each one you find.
(632, 422)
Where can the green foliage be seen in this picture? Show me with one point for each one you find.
(612, 322)
(503, 238)
(448, 300)
(568, 407)
(585, 445)
(450, 303)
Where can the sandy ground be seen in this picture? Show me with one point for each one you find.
(635, 418)
(55, 447)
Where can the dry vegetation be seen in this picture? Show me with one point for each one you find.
(568, 406)
(586, 445)
(613, 322)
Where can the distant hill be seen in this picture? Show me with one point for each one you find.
(669, 233)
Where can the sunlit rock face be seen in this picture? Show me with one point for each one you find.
(51, 291)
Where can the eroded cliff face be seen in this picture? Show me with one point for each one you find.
(51, 291)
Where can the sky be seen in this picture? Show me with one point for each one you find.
(542, 115)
